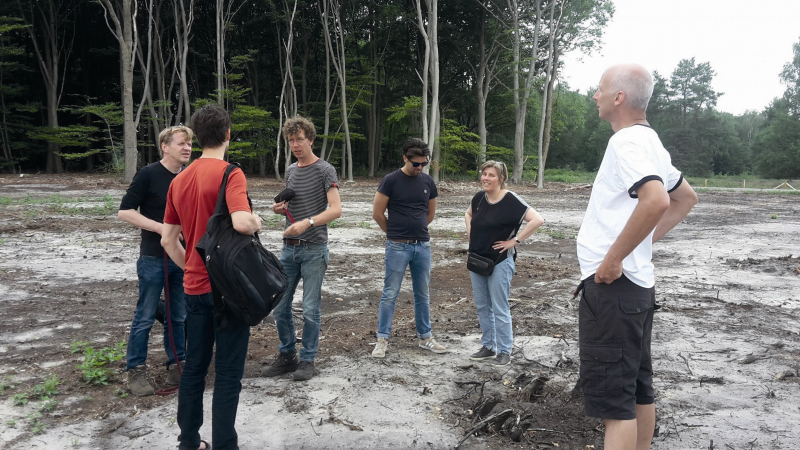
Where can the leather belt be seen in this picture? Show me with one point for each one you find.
(406, 241)
(293, 241)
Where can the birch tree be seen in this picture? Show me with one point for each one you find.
(183, 29)
(429, 29)
(48, 26)
(287, 106)
(223, 17)
(549, 75)
(332, 12)
(521, 95)
(123, 17)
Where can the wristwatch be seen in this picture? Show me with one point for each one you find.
(517, 239)
(310, 222)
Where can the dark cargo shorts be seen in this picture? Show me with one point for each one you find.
(615, 324)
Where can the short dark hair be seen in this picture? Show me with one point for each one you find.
(297, 124)
(210, 125)
(416, 147)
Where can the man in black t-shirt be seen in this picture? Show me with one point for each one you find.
(410, 197)
(148, 194)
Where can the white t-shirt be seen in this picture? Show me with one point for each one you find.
(634, 156)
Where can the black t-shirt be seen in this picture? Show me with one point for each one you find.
(408, 204)
(148, 194)
(492, 222)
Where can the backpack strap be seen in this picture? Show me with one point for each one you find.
(221, 207)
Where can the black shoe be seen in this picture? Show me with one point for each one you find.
(304, 371)
(284, 363)
(502, 359)
(483, 353)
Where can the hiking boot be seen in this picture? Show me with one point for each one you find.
(174, 375)
(483, 353)
(305, 370)
(138, 383)
(380, 348)
(502, 359)
(284, 363)
(432, 345)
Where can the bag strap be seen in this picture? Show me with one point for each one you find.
(221, 201)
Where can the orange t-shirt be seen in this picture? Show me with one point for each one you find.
(191, 200)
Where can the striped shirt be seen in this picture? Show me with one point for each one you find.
(310, 184)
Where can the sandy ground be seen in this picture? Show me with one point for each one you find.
(725, 340)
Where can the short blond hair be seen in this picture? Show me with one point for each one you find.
(165, 137)
(501, 169)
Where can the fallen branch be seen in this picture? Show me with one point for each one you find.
(492, 419)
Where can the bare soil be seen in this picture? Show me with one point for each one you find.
(726, 341)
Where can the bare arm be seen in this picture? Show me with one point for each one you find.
(431, 210)
(533, 222)
(136, 219)
(333, 212)
(653, 203)
(468, 219)
(171, 243)
(681, 201)
(246, 222)
(379, 206)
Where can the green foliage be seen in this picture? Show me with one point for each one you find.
(121, 392)
(34, 420)
(774, 216)
(8, 382)
(20, 399)
(66, 136)
(97, 364)
(47, 388)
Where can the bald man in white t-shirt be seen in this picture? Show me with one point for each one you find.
(637, 197)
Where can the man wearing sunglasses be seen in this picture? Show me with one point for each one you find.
(409, 195)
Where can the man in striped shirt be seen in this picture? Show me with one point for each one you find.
(305, 248)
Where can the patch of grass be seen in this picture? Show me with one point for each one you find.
(768, 191)
(774, 216)
(7, 384)
(12, 423)
(738, 181)
(97, 364)
(121, 393)
(273, 221)
(48, 405)
(364, 224)
(335, 224)
(556, 234)
(569, 176)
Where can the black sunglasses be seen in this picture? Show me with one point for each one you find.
(416, 164)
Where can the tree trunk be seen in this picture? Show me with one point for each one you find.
(521, 102)
(548, 118)
(183, 28)
(219, 19)
(549, 72)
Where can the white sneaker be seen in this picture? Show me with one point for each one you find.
(380, 348)
(432, 345)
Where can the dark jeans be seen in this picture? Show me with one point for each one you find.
(151, 283)
(229, 367)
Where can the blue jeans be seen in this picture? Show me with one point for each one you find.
(491, 300)
(307, 261)
(229, 369)
(417, 257)
(151, 283)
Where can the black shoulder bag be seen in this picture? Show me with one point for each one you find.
(247, 280)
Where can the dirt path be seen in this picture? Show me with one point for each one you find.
(726, 341)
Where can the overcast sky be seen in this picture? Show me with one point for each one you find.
(746, 42)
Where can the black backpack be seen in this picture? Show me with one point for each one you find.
(247, 280)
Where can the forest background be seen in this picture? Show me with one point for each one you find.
(87, 85)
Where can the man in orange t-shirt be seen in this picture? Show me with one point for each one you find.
(191, 201)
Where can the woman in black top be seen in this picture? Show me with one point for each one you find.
(493, 219)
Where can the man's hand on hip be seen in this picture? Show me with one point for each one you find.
(610, 269)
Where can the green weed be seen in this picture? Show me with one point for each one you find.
(6, 384)
(20, 399)
(12, 423)
(37, 426)
(774, 216)
(335, 224)
(47, 388)
(97, 364)
(48, 405)
(121, 393)
(364, 224)
(556, 234)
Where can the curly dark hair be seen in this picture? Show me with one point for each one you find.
(297, 124)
